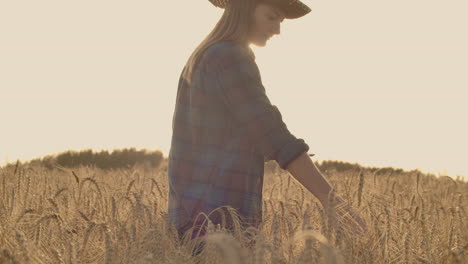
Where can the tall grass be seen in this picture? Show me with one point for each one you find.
(90, 215)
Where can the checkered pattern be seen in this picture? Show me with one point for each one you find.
(224, 129)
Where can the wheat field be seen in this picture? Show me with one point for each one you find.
(88, 215)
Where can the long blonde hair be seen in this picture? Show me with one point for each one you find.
(234, 25)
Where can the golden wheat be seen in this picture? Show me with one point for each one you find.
(120, 216)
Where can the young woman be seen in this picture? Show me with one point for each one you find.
(225, 127)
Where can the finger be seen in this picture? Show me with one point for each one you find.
(350, 218)
(352, 230)
(356, 223)
(350, 213)
(350, 225)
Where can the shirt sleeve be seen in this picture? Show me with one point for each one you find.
(240, 88)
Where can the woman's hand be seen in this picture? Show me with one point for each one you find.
(346, 216)
(307, 173)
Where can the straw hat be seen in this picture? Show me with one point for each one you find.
(292, 8)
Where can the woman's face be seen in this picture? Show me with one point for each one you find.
(266, 23)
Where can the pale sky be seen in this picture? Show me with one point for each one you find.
(380, 83)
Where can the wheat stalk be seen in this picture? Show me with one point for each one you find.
(360, 187)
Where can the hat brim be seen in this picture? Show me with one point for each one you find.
(292, 8)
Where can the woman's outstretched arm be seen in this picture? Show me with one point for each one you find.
(305, 171)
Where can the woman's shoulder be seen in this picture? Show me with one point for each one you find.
(225, 50)
(224, 46)
(226, 53)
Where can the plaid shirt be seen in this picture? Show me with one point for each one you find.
(224, 129)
